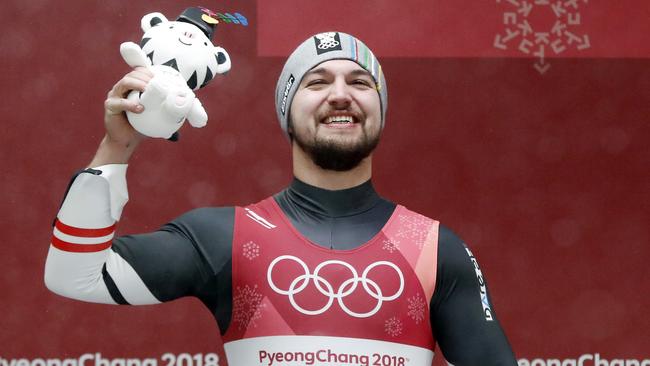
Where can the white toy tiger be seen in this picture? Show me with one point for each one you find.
(182, 58)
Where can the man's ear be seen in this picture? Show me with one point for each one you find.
(290, 128)
(289, 125)
(151, 20)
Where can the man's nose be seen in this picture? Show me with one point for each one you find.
(339, 94)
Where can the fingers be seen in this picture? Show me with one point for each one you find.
(119, 105)
(116, 101)
(134, 80)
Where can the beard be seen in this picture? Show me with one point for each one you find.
(335, 154)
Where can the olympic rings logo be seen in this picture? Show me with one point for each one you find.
(327, 40)
(326, 289)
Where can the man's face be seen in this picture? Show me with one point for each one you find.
(336, 115)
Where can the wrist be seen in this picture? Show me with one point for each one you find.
(113, 152)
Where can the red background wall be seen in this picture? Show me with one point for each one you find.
(545, 176)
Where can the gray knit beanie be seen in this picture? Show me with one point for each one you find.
(316, 50)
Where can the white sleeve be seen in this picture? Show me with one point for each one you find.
(80, 263)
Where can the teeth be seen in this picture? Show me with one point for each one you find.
(339, 119)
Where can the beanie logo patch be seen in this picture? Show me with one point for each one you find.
(285, 95)
(326, 42)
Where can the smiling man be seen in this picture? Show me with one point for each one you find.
(339, 110)
(324, 272)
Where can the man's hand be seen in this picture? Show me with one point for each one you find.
(118, 129)
(121, 138)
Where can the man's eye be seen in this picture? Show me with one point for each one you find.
(361, 82)
(316, 82)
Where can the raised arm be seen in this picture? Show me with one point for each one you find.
(86, 262)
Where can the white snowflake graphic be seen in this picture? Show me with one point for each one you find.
(416, 307)
(414, 228)
(390, 245)
(559, 30)
(393, 326)
(247, 303)
(251, 250)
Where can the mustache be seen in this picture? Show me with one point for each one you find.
(356, 114)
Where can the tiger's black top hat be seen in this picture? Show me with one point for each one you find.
(201, 17)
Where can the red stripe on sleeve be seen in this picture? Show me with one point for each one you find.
(84, 233)
(79, 248)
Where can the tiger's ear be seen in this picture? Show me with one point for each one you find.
(223, 60)
(152, 19)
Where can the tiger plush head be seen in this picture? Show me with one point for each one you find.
(185, 45)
